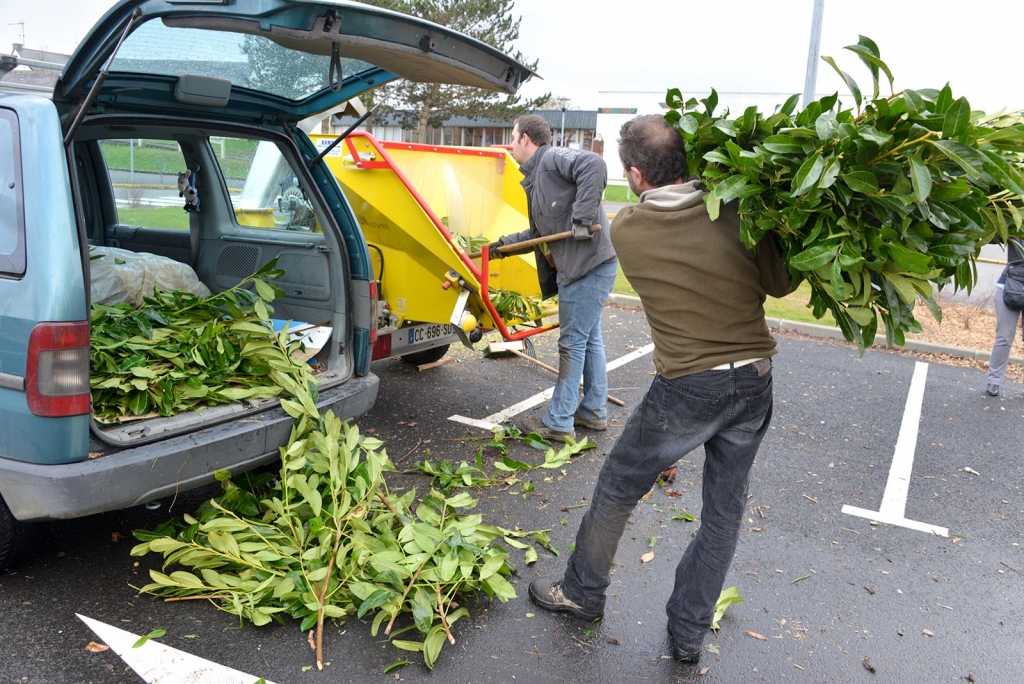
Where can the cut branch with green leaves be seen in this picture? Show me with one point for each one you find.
(873, 205)
(511, 305)
(326, 540)
(507, 470)
(179, 351)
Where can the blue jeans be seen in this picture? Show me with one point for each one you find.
(728, 411)
(581, 349)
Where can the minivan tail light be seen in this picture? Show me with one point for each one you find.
(57, 376)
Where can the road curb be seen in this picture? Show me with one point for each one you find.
(829, 332)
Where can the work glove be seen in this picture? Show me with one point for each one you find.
(494, 251)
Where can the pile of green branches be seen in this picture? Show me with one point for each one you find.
(872, 205)
(326, 540)
(179, 351)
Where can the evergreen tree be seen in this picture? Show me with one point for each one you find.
(489, 21)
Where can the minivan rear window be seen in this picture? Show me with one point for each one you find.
(12, 210)
(245, 60)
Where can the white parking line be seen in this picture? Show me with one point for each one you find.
(894, 500)
(495, 419)
(159, 664)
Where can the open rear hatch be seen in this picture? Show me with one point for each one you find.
(255, 63)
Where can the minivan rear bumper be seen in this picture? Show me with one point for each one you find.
(130, 477)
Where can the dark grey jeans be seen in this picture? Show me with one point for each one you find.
(728, 411)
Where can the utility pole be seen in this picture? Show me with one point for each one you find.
(811, 77)
(562, 138)
(22, 25)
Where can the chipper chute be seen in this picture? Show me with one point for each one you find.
(425, 210)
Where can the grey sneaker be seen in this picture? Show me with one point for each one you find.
(531, 424)
(992, 390)
(589, 423)
(548, 595)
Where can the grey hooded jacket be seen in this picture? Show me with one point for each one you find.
(565, 186)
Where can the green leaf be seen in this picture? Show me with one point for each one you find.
(688, 124)
(261, 310)
(416, 646)
(264, 290)
(920, 178)
(782, 144)
(847, 79)
(864, 316)
(808, 174)
(138, 402)
(531, 556)
(861, 181)
(395, 665)
(909, 260)
(726, 598)
(868, 53)
(155, 634)
(966, 158)
(501, 588)
(915, 103)
(903, 287)
(375, 600)
(713, 204)
(1007, 176)
(814, 257)
(432, 646)
(187, 579)
(957, 119)
(829, 173)
(674, 98)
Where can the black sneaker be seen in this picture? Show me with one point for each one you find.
(589, 423)
(529, 424)
(548, 595)
(683, 654)
(992, 390)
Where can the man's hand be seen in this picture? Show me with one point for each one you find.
(495, 253)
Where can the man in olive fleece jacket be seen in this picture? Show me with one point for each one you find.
(703, 293)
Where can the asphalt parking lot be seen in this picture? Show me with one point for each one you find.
(828, 595)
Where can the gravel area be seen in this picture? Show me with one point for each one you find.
(964, 326)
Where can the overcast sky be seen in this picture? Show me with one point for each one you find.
(588, 46)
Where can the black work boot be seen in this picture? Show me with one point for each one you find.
(681, 652)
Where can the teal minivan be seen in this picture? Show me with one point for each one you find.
(176, 130)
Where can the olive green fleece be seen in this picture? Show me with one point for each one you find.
(702, 290)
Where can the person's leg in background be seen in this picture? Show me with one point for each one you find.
(579, 310)
(1006, 330)
(594, 406)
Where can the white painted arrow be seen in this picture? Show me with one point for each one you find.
(159, 664)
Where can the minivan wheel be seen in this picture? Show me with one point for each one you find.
(13, 536)
(427, 355)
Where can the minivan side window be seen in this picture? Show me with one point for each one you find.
(12, 209)
(264, 189)
(144, 175)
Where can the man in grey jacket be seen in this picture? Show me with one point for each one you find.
(565, 187)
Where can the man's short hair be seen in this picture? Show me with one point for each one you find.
(536, 127)
(655, 147)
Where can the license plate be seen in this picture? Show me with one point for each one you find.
(426, 333)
